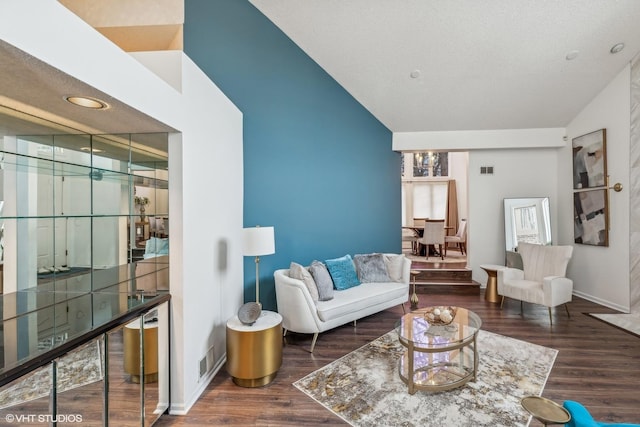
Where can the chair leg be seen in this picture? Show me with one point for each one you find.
(441, 253)
(521, 307)
(550, 317)
(284, 332)
(566, 307)
(404, 311)
(313, 342)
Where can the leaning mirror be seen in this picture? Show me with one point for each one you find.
(526, 220)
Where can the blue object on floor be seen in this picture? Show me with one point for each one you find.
(580, 417)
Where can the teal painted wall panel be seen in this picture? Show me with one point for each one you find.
(317, 165)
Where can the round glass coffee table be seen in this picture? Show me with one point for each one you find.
(439, 356)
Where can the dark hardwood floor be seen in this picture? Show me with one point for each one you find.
(597, 364)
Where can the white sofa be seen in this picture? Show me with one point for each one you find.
(300, 313)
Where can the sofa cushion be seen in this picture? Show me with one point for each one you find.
(323, 280)
(297, 271)
(358, 298)
(394, 266)
(371, 268)
(343, 272)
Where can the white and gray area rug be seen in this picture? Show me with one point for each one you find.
(364, 388)
(630, 322)
(81, 367)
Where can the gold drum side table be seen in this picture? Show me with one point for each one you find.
(254, 352)
(546, 411)
(131, 349)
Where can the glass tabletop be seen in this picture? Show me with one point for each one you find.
(425, 329)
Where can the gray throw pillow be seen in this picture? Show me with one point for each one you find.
(297, 271)
(323, 280)
(371, 268)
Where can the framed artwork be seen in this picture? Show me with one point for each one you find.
(591, 217)
(590, 160)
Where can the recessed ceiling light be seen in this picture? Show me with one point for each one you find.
(415, 74)
(87, 102)
(572, 55)
(617, 48)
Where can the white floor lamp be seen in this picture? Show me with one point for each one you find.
(258, 241)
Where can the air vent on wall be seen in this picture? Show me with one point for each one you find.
(486, 170)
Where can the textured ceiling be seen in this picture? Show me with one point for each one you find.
(490, 64)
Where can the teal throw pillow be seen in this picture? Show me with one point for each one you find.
(343, 272)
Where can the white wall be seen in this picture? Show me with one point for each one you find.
(517, 173)
(601, 274)
(206, 175)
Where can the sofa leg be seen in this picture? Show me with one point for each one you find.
(550, 317)
(313, 342)
(354, 323)
(403, 309)
(501, 302)
(284, 332)
(521, 307)
(566, 307)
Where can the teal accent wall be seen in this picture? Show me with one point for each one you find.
(317, 165)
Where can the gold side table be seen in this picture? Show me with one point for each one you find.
(491, 292)
(254, 352)
(414, 297)
(546, 411)
(131, 349)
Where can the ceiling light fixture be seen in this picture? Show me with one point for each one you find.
(86, 102)
(617, 48)
(415, 74)
(572, 55)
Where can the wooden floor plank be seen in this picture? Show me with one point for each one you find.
(597, 364)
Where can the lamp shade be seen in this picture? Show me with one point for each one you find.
(258, 241)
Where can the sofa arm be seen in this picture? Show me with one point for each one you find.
(557, 290)
(295, 305)
(505, 275)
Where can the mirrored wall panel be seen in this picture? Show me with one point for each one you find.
(83, 210)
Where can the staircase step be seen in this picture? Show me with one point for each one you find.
(442, 275)
(466, 288)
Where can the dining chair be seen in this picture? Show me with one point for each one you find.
(460, 239)
(433, 235)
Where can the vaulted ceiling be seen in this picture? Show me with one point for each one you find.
(419, 65)
(431, 65)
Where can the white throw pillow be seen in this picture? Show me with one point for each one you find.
(297, 271)
(394, 266)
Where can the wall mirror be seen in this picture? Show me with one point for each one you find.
(80, 210)
(526, 220)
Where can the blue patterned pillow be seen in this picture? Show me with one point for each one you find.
(343, 272)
